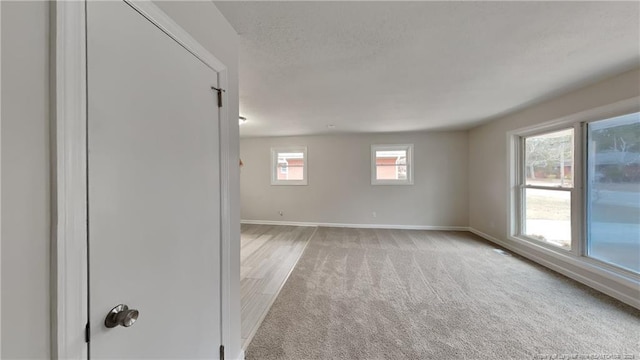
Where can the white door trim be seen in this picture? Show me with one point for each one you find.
(69, 212)
(0, 178)
(69, 193)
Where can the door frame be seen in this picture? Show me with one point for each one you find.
(69, 248)
(0, 178)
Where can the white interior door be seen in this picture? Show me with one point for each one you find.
(154, 192)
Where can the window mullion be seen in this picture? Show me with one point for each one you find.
(578, 211)
(521, 186)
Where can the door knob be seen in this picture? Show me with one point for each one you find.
(121, 315)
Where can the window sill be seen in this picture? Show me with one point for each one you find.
(401, 183)
(610, 272)
(545, 244)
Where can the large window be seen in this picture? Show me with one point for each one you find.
(576, 188)
(289, 165)
(613, 191)
(392, 164)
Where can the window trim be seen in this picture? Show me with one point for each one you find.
(577, 256)
(274, 165)
(392, 147)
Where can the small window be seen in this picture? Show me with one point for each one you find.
(392, 164)
(289, 165)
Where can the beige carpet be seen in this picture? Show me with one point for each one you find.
(397, 294)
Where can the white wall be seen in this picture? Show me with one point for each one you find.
(25, 166)
(488, 188)
(340, 189)
(207, 25)
(25, 180)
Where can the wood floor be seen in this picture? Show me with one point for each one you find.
(267, 254)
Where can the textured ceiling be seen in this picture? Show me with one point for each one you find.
(409, 66)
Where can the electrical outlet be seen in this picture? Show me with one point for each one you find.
(281, 213)
(374, 214)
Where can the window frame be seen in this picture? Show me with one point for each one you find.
(521, 185)
(578, 254)
(392, 147)
(274, 166)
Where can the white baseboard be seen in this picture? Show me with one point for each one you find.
(626, 298)
(357, 226)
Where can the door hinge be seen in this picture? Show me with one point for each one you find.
(220, 91)
(221, 352)
(87, 333)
